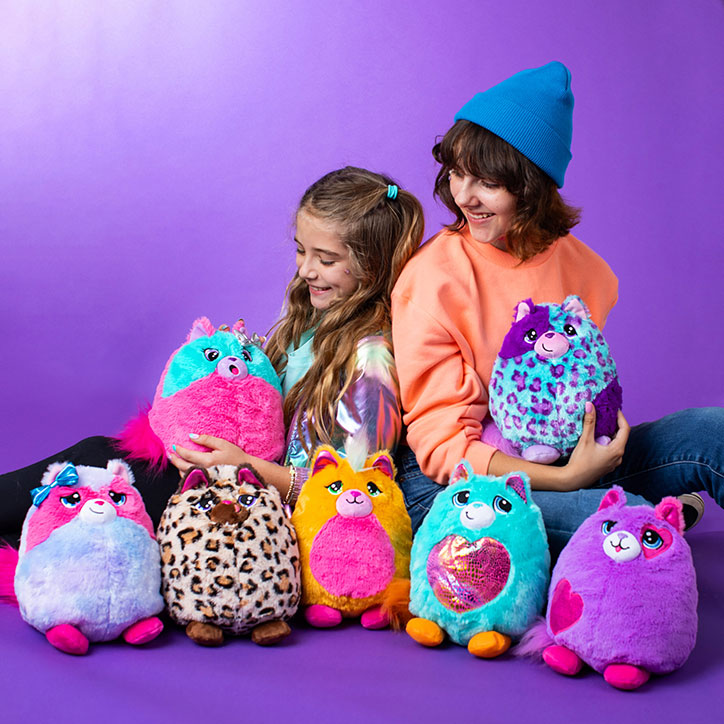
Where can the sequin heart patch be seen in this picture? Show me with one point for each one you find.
(467, 574)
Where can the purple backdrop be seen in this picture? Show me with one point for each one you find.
(152, 153)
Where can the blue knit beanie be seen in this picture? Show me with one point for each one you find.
(532, 111)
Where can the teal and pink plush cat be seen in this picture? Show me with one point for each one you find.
(553, 360)
(479, 565)
(220, 383)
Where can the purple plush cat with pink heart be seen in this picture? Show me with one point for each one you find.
(622, 597)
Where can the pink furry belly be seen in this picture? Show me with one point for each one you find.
(352, 557)
(247, 413)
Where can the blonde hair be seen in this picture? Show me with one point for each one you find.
(381, 234)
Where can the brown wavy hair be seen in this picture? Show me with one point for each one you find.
(381, 235)
(541, 215)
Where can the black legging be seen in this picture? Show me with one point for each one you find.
(15, 487)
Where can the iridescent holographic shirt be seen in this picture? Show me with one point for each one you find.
(371, 402)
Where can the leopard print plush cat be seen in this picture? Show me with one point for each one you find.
(230, 561)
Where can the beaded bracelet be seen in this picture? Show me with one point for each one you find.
(294, 487)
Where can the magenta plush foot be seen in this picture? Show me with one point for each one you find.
(143, 631)
(375, 618)
(322, 616)
(625, 676)
(540, 454)
(562, 660)
(68, 639)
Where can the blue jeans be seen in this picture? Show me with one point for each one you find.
(680, 453)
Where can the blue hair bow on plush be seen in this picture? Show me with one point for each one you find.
(67, 476)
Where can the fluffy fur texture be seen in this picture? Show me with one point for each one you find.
(623, 591)
(229, 553)
(480, 558)
(217, 383)
(553, 360)
(354, 533)
(88, 559)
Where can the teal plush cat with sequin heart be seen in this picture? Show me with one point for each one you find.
(480, 564)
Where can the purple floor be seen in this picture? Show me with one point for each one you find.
(351, 675)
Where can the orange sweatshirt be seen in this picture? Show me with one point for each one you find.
(451, 308)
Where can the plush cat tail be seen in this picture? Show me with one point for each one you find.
(534, 641)
(139, 442)
(396, 603)
(8, 564)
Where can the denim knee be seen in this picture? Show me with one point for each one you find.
(418, 490)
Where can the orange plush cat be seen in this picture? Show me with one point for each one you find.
(354, 539)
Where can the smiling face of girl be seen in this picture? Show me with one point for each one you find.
(323, 261)
(488, 207)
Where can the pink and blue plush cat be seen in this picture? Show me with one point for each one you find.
(480, 563)
(220, 383)
(622, 596)
(88, 567)
(553, 360)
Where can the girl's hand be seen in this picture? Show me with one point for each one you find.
(589, 461)
(221, 452)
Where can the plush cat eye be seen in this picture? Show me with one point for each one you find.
(502, 505)
(461, 498)
(70, 501)
(211, 354)
(117, 498)
(335, 488)
(373, 489)
(607, 526)
(247, 500)
(652, 540)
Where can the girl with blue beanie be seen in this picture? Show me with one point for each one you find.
(502, 163)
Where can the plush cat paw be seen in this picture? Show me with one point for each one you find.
(271, 632)
(625, 676)
(321, 616)
(205, 634)
(68, 639)
(562, 660)
(544, 454)
(143, 631)
(425, 632)
(488, 644)
(375, 618)
(603, 440)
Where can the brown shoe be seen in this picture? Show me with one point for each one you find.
(692, 508)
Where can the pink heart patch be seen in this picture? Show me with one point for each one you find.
(566, 607)
(467, 574)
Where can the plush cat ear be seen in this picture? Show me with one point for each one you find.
(615, 496)
(121, 469)
(202, 327)
(523, 309)
(670, 510)
(517, 482)
(463, 471)
(246, 474)
(324, 457)
(239, 326)
(53, 471)
(194, 478)
(574, 304)
(382, 462)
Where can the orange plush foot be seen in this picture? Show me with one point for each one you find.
(425, 632)
(488, 644)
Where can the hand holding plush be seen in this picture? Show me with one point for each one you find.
(553, 360)
(88, 567)
(479, 563)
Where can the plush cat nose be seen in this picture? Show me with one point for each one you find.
(355, 493)
(228, 513)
